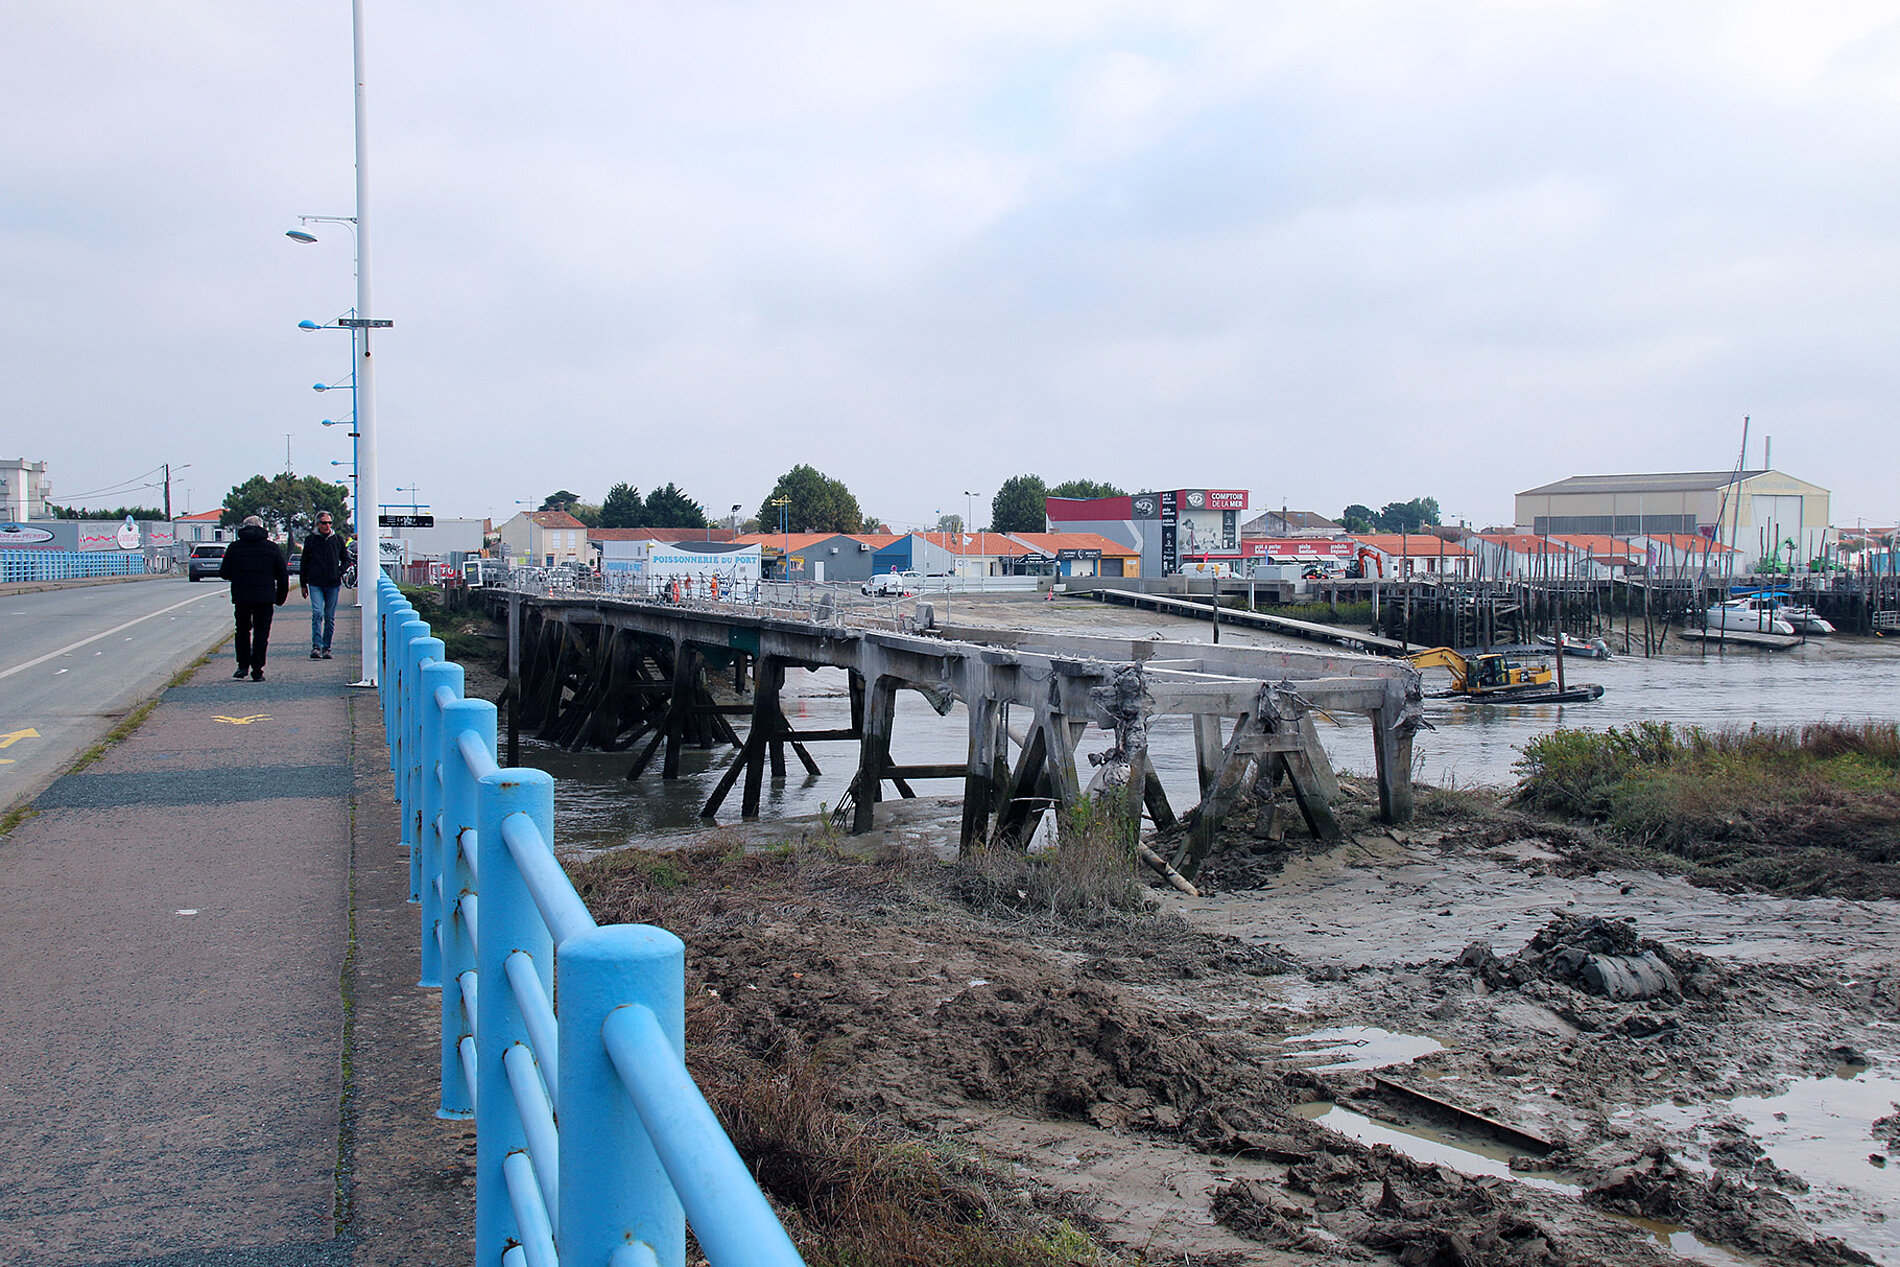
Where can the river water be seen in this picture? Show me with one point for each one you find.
(1469, 744)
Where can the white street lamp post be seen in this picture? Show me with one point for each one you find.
(363, 376)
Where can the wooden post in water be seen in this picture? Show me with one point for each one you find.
(514, 679)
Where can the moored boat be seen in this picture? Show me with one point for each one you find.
(1748, 614)
(1573, 645)
(1804, 619)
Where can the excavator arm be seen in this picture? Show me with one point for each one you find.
(1445, 658)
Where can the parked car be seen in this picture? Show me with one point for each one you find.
(893, 584)
(204, 560)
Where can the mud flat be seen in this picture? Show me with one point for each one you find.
(1386, 1050)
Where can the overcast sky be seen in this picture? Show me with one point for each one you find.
(1328, 253)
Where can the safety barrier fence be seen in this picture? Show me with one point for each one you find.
(594, 1147)
(70, 565)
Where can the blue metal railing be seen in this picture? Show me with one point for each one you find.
(69, 565)
(593, 1146)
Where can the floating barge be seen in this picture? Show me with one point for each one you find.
(1582, 693)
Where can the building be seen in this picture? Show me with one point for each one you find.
(545, 539)
(1684, 554)
(820, 556)
(190, 530)
(1168, 528)
(24, 490)
(1414, 554)
(1755, 511)
(1081, 554)
(1289, 523)
(944, 553)
(1606, 558)
(449, 541)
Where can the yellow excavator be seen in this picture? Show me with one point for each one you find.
(1494, 676)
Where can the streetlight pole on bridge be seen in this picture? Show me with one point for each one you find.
(361, 323)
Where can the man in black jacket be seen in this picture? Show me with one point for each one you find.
(325, 558)
(260, 580)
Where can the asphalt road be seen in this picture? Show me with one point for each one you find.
(74, 661)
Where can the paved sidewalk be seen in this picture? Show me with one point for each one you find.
(212, 1048)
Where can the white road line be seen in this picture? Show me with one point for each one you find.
(54, 655)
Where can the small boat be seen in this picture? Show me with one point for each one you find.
(1588, 648)
(1749, 614)
(1803, 618)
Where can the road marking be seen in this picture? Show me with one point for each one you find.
(241, 721)
(84, 642)
(13, 737)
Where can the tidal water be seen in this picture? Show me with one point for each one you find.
(1468, 744)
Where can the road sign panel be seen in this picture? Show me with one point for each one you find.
(406, 521)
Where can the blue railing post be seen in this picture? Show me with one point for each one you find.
(460, 789)
(509, 923)
(432, 680)
(408, 660)
(391, 611)
(617, 1191)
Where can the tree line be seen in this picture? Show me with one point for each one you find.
(1412, 516)
(805, 499)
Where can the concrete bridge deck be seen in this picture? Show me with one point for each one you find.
(214, 1052)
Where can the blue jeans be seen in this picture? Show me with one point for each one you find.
(322, 615)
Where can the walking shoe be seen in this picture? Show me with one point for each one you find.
(242, 671)
(316, 654)
(257, 675)
(326, 653)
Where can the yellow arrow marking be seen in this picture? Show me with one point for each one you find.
(8, 740)
(242, 721)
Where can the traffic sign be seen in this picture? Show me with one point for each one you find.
(406, 521)
(365, 323)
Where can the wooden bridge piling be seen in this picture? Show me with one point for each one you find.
(611, 674)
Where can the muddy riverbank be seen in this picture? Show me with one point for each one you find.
(1187, 1077)
(1386, 1049)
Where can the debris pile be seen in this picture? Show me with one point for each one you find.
(1721, 1207)
(1603, 957)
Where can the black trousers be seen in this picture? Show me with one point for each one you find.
(253, 633)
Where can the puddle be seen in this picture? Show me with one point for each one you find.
(1474, 1155)
(1361, 1047)
(1681, 1242)
(1821, 1129)
(1433, 1145)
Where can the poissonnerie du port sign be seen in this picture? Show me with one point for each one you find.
(406, 521)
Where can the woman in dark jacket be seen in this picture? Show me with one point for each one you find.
(260, 580)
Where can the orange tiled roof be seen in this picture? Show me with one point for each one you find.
(1602, 546)
(973, 543)
(1411, 545)
(669, 535)
(1054, 541)
(554, 519)
(1527, 542)
(1688, 541)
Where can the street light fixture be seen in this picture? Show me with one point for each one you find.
(785, 537)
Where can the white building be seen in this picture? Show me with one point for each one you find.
(1756, 511)
(449, 540)
(544, 539)
(24, 489)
